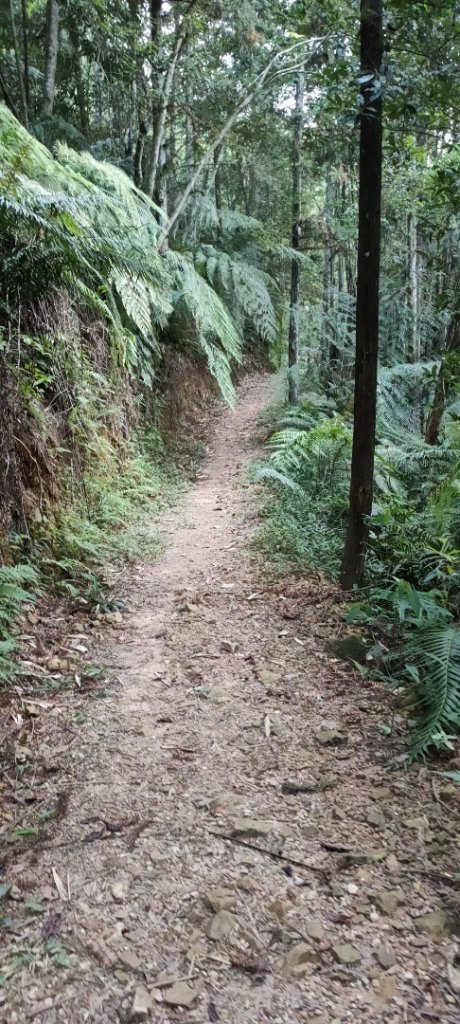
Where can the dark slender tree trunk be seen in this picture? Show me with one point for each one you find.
(367, 299)
(19, 72)
(51, 56)
(25, 52)
(293, 339)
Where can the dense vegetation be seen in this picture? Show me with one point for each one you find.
(182, 181)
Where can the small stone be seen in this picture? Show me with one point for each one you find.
(385, 956)
(387, 902)
(181, 994)
(228, 646)
(345, 953)
(314, 929)
(129, 959)
(119, 892)
(252, 827)
(415, 823)
(141, 1005)
(375, 817)
(248, 884)
(330, 737)
(115, 618)
(268, 678)
(295, 963)
(418, 941)
(435, 922)
(352, 888)
(392, 864)
(53, 664)
(453, 975)
(221, 925)
(349, 648)
(278, 909)
(219, 899)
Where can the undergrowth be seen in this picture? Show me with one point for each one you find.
(76, 547)
(408, 607)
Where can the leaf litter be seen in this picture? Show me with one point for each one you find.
(328, 906)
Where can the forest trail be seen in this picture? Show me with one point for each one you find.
(231, 719)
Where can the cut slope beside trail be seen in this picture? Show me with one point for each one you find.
(232, 729)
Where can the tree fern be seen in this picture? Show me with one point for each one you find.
(83, 224)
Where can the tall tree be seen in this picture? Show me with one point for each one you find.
(22, 88)
(367, 296)
(293, 340)
(51, 56)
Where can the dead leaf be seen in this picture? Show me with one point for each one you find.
(63, 892)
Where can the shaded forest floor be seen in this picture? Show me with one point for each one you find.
(229, 728)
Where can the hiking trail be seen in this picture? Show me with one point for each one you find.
(232, 728)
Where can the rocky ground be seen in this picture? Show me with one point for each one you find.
(215, 836)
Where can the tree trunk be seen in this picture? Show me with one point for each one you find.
(72, 27)
(25, 52)
(443, 385)
(293, 339)
(161, 110)
(189, 133)
(17, 57)
(51, 56)
(367, 299)
(414, 346)
(252, 91)
(436, 413)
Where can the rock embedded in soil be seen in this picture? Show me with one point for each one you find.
(181, 994)
(119, 892)
(435, 922)
(129, 959)
(387, 902)
(219, 899)
(330, 735)
(252, 827)
(141, 1005)
(385, 956)
(345, 953)
(221, 925)
(375, 817)
(296, 962)
(268, 678)
(314, 929)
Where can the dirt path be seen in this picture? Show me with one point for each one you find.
(228, 702)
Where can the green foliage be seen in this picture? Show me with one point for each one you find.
(83, 225)
(308, 472)
(108, 523)
(413, 568)
(18, 584)
(432, 671)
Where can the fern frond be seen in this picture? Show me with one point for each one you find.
(435, 655)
